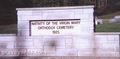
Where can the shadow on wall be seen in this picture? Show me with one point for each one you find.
(56, 46)
(20, 46)
(25, 46)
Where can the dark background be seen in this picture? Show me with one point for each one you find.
(8, 13)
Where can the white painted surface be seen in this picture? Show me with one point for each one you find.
(82, 16)
(31, 17)
(84, 13)
(67, 27)
(58, 15)
(88, 10)
(24, 13)
(65, 46)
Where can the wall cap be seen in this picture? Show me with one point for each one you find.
(109, 33)
(7, 34)
(56, 8)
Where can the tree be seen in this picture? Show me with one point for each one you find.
(8, 10)
(46, 3)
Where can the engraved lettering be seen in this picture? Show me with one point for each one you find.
(65, 27)
(46, 27)
(75, 22)
(38, 23)
(64, 23)
(55, 27)
(55, 32)
(54, 23)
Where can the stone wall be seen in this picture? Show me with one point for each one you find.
(107, 44)
(84, 13)
(103, 45)
(86, 44)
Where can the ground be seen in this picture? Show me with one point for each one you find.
(47, 57)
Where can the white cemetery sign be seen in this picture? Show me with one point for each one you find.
(55, 27)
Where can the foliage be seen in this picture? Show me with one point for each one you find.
(8, 12)
(108, 16)
(112, 6)
(46, 3)
(8, 7)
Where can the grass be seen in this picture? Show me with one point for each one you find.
(108, 27)
(8, 29)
